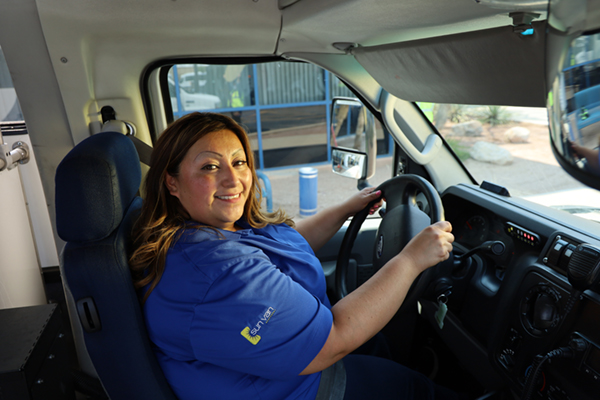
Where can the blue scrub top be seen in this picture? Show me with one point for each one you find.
(240, 314)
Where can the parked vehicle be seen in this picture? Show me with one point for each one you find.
(192, 81)
(191, 101)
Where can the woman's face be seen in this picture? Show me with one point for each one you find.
(214, 180)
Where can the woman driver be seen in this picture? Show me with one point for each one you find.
(235, 300)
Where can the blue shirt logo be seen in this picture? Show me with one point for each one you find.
(251, 334)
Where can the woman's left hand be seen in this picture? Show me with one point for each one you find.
(321, 227)
(361, 199)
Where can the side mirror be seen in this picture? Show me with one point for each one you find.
(574, 90)
(353, 139)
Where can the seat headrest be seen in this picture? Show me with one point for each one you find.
(95, 184)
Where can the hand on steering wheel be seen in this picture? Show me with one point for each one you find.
(402, 221)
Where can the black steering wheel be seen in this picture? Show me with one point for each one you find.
(401, 222)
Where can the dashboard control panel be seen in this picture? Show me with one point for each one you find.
(535, 306)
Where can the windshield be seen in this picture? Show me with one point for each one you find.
(509, 146)
(285, 106)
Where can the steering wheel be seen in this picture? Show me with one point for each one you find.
(401, 222)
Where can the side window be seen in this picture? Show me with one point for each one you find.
(284, 107)
(9, 105)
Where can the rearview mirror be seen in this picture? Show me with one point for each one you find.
(353, 139)
(574, 92)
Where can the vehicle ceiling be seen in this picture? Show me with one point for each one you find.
(68, 58)
(98, 49)
(256, 27)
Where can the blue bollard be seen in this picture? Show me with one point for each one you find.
(308, 191)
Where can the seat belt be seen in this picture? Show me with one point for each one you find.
(144, 151)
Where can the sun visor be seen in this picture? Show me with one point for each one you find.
(495, 66)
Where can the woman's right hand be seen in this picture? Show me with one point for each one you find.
(430, 246)
(365, 311)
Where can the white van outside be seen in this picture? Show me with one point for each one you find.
(191, 101)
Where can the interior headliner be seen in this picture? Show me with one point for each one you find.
(99, 49)
(257, 27)
(68, 58)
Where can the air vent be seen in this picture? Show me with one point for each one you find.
(13, 128)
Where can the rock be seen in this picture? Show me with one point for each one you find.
(490, 153)
(517, 134)
(469, 128)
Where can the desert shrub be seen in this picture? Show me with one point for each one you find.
(494, 115)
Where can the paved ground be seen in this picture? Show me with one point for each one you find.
(331, 188)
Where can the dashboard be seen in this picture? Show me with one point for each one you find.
(508, 309)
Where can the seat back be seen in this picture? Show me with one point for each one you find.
(96, 207)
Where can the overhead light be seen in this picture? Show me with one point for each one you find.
(527, 32)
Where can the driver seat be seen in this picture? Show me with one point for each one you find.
(96, 206)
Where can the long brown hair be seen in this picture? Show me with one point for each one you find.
(162, 217)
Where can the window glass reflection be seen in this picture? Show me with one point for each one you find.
(283, 83)
(293, 136)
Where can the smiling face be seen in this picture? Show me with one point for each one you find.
(214, 180)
